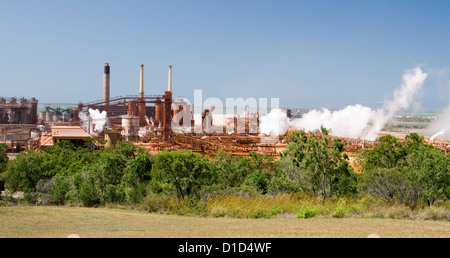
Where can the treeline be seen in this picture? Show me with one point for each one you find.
(409, 173)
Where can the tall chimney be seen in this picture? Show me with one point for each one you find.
(170, 78)
(106, 85)
(141, 89)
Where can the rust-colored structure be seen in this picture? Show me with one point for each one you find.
(147, 121)
(22, 111)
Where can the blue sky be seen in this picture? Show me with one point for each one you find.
(310, 54)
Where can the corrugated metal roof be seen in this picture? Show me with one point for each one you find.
(72, 132)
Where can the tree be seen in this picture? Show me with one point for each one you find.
(185, 170)
(23, 173)
(138, 170)
(107, 170)
(428, 169)
(389, 152)
(410, 172)
(386, 183)
(323, 158)
(3, 164)
(229, 171)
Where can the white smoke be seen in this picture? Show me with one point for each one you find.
(142, 132)
(355, 121)
(274, 123)
(440, 128)
(93, 121)
(350, 122)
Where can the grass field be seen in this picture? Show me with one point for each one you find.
(59, 222)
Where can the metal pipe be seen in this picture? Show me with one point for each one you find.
(106, 85)
(170, 78)
(141, 89)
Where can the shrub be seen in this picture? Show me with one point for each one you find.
(59, 189)
(89, 194)
(281, 184)
(260, 180)
(398, 212)
(156, 203)
(135, 194)
(114, 194)
(138, 170)
(187, 171)
(307, 212)
(386, 184)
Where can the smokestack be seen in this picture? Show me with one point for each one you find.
(106, 85)
(141, 89)
(170, 78)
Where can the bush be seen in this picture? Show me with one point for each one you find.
(59, 189)
(23, 173)
(156, 203)
(88, 194)
(386, 184)
(187, 171)
(138, 170)
(307, 212)
(114, 194)
(281, 184)
(260, 180)
(340, 210)
(136, 194)
(31, 198)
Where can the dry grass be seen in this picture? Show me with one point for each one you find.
(102, 222)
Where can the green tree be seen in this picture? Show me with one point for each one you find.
(185, 170)
(387, 184)
(229, 171)
(59, 189)
(3, 157)
(427, 168)
(107, 170)
(262, 169)
(323, 160)
(389, 152)
(3, 164)
(23, 173)
(138, 170)
(409, 171)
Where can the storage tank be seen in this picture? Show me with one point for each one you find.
(49, 116)
(56, 117)
(130, 125)
(42, 116)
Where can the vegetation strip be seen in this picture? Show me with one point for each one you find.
(313, 178)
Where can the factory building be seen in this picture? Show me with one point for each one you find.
(134, 111)
(22, 111)
(143, 119)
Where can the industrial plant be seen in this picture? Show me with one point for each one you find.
(146, 120)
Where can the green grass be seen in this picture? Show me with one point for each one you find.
(42, 222)
(292, 205)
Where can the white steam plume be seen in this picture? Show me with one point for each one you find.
(355, 121)
(274, 123)
(93, 121)
(440, 128)
(403, 98)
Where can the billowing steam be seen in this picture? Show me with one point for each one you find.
(93, 121)
(142, 132)
(274, 123)
(355, 121)
(440, 128)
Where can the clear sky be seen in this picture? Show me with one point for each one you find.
(310, 54)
